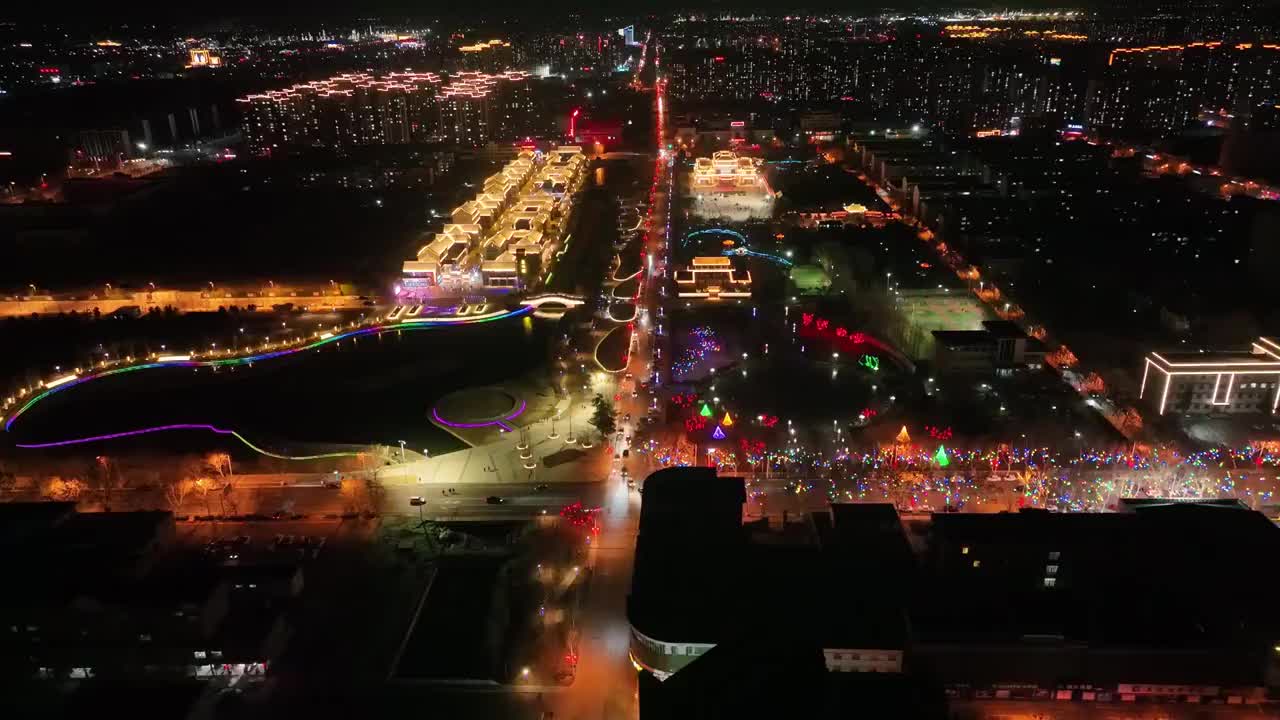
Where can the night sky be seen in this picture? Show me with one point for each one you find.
(305, 12)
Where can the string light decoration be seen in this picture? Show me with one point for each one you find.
(938, 433)
(703, 343)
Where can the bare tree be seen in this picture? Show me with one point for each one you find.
(355, 494)
(218, 469)
(175, 493)
(220, 464)
(8, 480)
(1130, 421)
(1093, 383)
(103, 476)
(67, 489)
(1062, 358)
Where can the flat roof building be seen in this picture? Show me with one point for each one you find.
(1000, 347)
(114, 595)
(1222, 382)
(701, 576)
(1163, 601)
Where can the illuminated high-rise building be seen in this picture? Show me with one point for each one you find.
(1163, 88)
(468, 108)
(488, 56)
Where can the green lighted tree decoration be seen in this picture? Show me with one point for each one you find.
(941, 456)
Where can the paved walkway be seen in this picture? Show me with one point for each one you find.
(500, 461)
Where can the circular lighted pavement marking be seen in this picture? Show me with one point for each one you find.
(478, 408)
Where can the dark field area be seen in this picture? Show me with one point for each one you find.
(227, 224)
(376, 389)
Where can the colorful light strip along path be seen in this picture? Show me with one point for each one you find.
(764, 256)
(416, 324)
(741, 249)
(714, 231)
(182, 426)
(500, 422)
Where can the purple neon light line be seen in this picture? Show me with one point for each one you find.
(127, 433)
(183, 426)
(435, 414)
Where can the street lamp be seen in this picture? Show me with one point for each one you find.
(402, 451)
(419, 502)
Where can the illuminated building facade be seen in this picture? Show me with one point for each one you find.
(203, 57)
(1164, 88)
(725, 171)
(486, 56)
(1214, 382)
(573, 54)
(467, 108)
(505, 236)
(981, 77)
(713, 278)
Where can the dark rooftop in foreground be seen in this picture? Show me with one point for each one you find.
(1168, 592)
(850, 566)
(751, 677)
(1165, 593)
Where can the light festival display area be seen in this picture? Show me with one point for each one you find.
(731, 187)
(713, 278)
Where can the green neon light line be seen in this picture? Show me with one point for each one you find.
(413, 324)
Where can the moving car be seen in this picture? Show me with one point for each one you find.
(494, 500)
